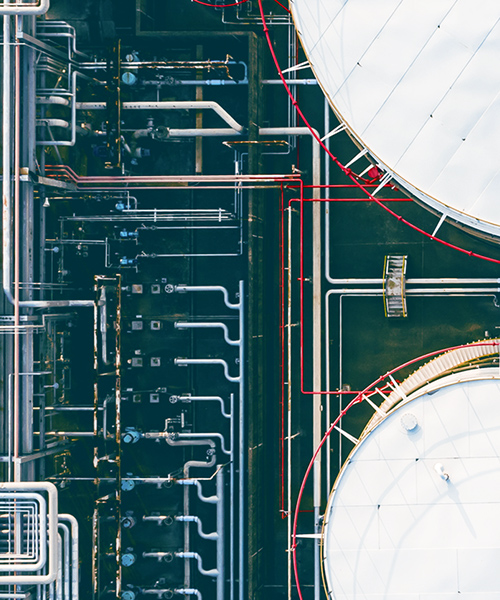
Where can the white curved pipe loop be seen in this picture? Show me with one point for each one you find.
(188, 398)
(31, 486)
(195, 482)
(208, 325)
(193, 519)
(208, 288)
(52, 123)
(182, 362)
(197, 557)
(25, 9)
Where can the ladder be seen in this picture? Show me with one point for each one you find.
(394, 285)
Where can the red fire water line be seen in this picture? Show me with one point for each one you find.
(359, 398)
(282, 341)
(348, 172)
(353, 200)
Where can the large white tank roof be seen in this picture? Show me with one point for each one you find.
(395, 526)
(416, 83)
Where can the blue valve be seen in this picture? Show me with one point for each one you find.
(128, 234)
(131, 436)
(128, 559)
(128, 485)
(127, 262)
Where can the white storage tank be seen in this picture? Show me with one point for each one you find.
(415, 511)
(416, 84)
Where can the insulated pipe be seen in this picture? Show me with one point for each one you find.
(220, 536)
(52, 123)
(7, 171)
(74, 554)
(52, 100)
(66, 554)
(197, 557)
(25, 9)
(199, 105)
(206, 132)
(59, 580)
(58, 122)
(51, 490)
(201, 436)
(200, 325)
(182, 362)
(200, 439)
(196, 482)
(193, 519)
(188, 398)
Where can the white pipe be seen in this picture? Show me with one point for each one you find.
(66, 555)
(200, 325)
(195, 482)
(52, 530)
(317, 377)
(59, 580)
(52, 123)
(7, 172)
(74, 554)
(289, 81)
(197, 557)
(182, 362)
(208, 288)
(25, 9)
(193, 519)
(52, 100)
(189, 398)
(195, 436)
(198, 105)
